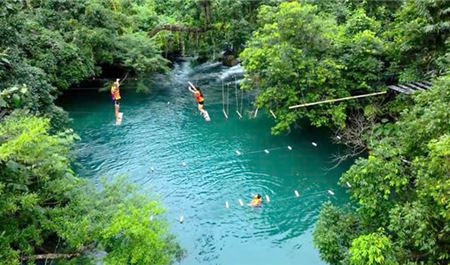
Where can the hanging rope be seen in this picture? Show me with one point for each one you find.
(223, 97)
(242, 100)
(237, 98)
(228, 98)
(256, 112)
(223, 101)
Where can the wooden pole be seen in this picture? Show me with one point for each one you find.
(336, 100)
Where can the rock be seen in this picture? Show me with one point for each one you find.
(230, 60)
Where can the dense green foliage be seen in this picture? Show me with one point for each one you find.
(304, 53)
(402, 192)
(293, 52)
(224, 26)
(50, 45)
(46, 47)
(45, 208)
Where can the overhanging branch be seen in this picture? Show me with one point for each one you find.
(50, 256)
(175, 27)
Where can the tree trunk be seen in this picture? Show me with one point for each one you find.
(50, 256)
(175, 28)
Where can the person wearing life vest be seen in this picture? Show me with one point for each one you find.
(256, 201)
(199, 98)
(115, 94)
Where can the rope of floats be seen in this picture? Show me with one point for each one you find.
(267, 199)
(239, 202)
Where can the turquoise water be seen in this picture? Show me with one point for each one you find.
(168, 149)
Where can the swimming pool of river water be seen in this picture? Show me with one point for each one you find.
(165, 146)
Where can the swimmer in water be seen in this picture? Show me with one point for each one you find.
(256, 201)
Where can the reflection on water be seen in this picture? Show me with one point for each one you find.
(168, 149)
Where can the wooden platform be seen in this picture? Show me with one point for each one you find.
(410, 88)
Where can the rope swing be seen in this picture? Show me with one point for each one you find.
(256, 112)
(239, 94)
(225, 112)
(238, 110)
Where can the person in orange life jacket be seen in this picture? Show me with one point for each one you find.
(198, 97)
(256, 201)
(115, 94)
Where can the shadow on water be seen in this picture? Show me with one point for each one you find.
(165, 146)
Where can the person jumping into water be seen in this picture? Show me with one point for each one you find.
(256, 201)
(115, 94)
(199, 98)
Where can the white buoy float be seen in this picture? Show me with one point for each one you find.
(227, 205)
(313, 143)
(348, 184)
(181, 219)
(331, 192)
(266, 151)
(151, 217)
(184, 164)
(297, 193)
(241, 202)
(238, 152)
(267, 198)
(289, 147)
(152, 169)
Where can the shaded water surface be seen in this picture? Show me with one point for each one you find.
(196, 168)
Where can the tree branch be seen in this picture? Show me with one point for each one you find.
(50, 256)
(175, 27)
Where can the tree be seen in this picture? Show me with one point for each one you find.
(372, 249)
(46, 212)
(420, 37)
(334, 232)
(49, 46)
(300, 55)
(401, 188)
